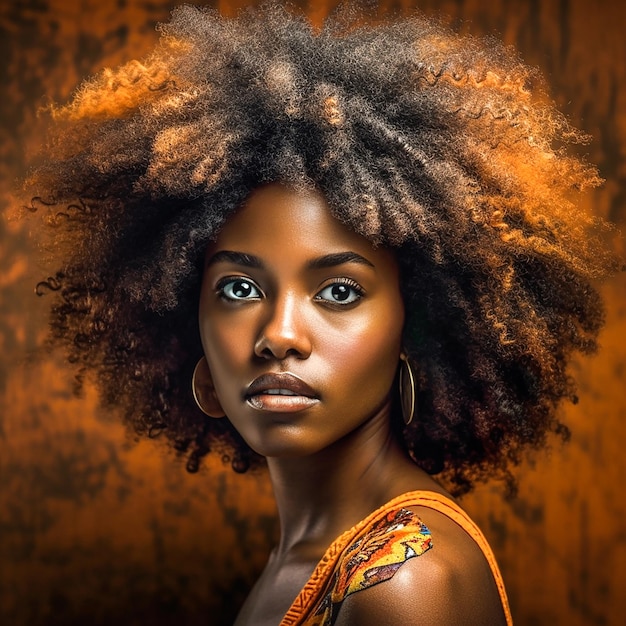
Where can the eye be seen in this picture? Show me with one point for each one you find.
(238, 289)
(342, 292)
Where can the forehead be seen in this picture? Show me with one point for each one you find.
(277, 222)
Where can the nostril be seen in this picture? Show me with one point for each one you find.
(281, 346)
(265, 353)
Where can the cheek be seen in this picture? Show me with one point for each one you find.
(223, 350)
(224, 343)
(223, 340)
(367, 350)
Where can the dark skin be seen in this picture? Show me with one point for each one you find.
(301, 323)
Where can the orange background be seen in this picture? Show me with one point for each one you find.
(98, 528)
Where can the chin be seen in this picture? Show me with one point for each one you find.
(286, 446)
(283, 450)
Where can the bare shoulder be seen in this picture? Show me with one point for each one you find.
(450, 584)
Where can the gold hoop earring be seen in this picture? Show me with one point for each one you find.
(208, 405)
(194, 389)
(407, 389)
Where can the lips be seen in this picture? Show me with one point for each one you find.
(280, 393)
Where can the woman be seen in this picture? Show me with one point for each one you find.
(373, 230)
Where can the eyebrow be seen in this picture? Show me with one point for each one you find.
(249, 260)
(338, 258)
(237, 258)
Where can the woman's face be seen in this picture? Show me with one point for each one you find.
(301, 322)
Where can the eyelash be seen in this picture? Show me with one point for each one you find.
(359, 292)
(229, 280)
(348, 282)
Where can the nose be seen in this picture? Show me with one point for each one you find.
(284, 332)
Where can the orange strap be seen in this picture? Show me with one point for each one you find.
(438, 502)
(310, 594)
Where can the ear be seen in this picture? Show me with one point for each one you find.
(204, 390)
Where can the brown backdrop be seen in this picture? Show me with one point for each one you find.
(97, 528)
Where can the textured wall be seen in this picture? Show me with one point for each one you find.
(98, 528)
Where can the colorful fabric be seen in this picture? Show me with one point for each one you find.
(371, 559)
(372, 551)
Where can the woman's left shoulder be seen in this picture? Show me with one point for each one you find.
(449, 582)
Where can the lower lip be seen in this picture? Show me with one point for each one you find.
(281, 404)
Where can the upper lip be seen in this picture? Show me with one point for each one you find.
(285, 381)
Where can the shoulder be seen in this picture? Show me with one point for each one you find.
(450, 583)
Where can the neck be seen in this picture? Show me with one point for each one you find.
(320, 496)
